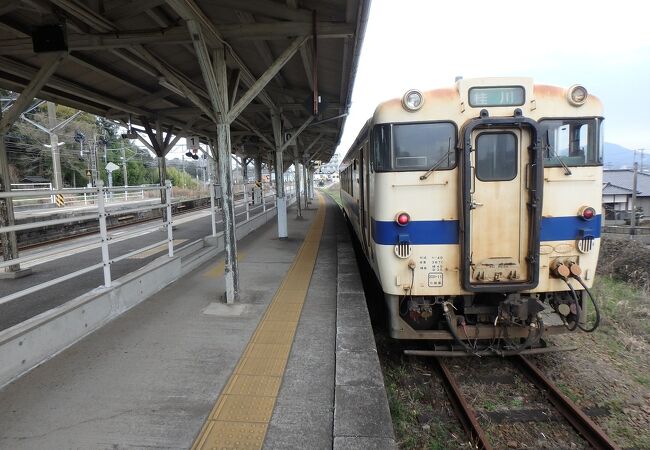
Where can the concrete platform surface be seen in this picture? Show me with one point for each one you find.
(150, 378)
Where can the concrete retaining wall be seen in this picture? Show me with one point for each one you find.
(362, 417)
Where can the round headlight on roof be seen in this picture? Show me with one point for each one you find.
(577, 95)
(413, 100)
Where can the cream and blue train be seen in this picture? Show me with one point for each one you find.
(478, 208)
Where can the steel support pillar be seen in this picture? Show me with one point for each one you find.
(258, 168)
(296, 182)
(305, 182)
(162, 175)
(311, 183)
(231, 271)
(9, 242)
(281, 200)
(244, 169)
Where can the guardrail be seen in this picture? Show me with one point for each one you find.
(101, 193)
(43, 196)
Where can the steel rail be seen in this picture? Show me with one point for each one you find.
(587, 428)
(464, 410)
(464, 354)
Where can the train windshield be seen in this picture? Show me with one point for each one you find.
(574, 142)
(414, 146)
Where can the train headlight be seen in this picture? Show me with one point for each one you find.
(577, 95)
(402, 219)
(587, 212)
(413, 100)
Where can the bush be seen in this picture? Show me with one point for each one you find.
(625, 260)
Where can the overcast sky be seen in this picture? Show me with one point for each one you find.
(424, 44)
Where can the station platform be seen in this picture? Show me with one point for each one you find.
(293, 364)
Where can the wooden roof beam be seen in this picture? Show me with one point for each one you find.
(189, 10)
(39, 80)
(267, 8)
(267, 76)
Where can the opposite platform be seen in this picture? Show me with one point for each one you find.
(159, 374)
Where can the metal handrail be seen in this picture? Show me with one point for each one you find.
(112, 212)
(47, 284)
(47, 223)
(46, 253)
(138, 251)
(133, 188)
(42, 193)
(93, 190)
(105, 239)
(129, 234)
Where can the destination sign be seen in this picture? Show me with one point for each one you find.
(496, 96)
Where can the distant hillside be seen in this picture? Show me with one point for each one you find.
(617, 157)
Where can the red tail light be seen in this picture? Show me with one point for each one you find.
(587, 212)
(402, 219)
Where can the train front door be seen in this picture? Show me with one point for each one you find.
(499, 216)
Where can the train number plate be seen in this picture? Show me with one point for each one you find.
(435, 279)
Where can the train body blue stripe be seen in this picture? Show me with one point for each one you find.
(438, 232)
(420, 232)
(568, 228)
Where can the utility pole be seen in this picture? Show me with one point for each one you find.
(126, 180)
(94, 170)
(633, 216)
(54, 142)
(642, 150)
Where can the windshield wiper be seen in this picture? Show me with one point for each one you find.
(551, 152)
(438, 163)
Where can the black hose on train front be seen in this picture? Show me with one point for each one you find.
(532, 336)
(593, 302)
(577, 303)
(448, 309)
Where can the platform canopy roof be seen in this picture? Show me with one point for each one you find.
(145, 62)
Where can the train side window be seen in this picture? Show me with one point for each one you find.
(496, 156)
(380, 160)
(575, 141)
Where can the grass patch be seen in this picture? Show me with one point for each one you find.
(623, 306)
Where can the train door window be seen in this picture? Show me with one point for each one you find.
(496, 156)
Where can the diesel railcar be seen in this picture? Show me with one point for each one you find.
(478, 208)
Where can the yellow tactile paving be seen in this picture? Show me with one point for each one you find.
(275, 337)
(256, 385)
(292, 296)
(245, 408)
(273, 367)
(233, 435)
(240, 417)
(262, 350)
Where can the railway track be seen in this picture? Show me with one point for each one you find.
(588, 430)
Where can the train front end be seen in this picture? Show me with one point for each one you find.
(484, 210)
